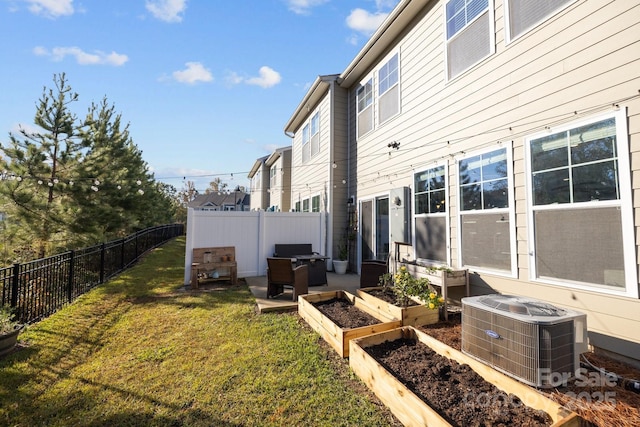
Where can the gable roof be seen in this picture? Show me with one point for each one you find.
(221, 198)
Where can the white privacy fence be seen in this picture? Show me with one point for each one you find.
(253, 234)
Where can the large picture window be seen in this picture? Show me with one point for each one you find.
(430, 217)
(469, 31)
(486, 215)
(579, 196)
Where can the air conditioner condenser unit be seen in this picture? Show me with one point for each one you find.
(528, 339)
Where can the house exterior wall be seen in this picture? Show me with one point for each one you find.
(259, 187)
(310, 177)
(578, 64)
(280, 182)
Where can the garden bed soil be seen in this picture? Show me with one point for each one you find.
(459, 394)
(386, 295)
(623, 408)
(339, 317)
(345, 314)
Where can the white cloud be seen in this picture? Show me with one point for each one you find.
(167, 10)
(194, 73)
(51, 8)
(268, 78)
(365, 22)
(83, 58)
(303, 7)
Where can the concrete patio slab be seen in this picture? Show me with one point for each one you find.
(284, 302)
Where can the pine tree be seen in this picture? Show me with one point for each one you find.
(37, 166)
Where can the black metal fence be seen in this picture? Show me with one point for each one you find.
(37, 289)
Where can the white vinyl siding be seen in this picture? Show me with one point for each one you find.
(469, 28)
(579, 178)
(523, 15)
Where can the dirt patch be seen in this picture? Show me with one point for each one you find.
(387, 295)
(455, 391)
(344, 314)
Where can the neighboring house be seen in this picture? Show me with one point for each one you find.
(320, 166)
(259, 185)
(499, 136)
(279, 166)
(225, 200)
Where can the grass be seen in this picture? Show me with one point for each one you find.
(141, 351)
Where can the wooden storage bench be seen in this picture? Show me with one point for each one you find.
(206, 261)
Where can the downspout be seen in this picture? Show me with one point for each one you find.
(331, 204)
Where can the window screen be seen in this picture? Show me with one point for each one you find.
(431, 238)
(525, 14)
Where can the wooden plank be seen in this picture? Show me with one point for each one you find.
(417, 315)
(402, 402)
(334, 335)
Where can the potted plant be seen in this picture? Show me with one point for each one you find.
(9, 330)
(340, 264)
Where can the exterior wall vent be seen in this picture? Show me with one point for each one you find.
(530, 340)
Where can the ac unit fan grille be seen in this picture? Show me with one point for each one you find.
(524, 350)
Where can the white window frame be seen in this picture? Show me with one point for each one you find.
(306, 201)
(380, 93)
(273, 176)
(305, 146)
(509, 38)
(444, 214)
(624, 203)
(510, 211)
(447, 39)
(314, 125)
(319, 199)
(369, 108)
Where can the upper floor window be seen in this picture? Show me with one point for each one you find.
(255, 182)
(364, 97)
(469, 28)
(315, 134)
(273, 176)
(388, 89)
(526, 14)
(306, 147)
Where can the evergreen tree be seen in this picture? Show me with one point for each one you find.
(36, 168)
(74, 183)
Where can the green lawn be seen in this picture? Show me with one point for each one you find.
(140, 351)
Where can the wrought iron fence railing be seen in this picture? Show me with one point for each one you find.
(37, 289)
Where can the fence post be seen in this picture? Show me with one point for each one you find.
(70, 282)
(102, 257)
(122, 254)
(14, 285)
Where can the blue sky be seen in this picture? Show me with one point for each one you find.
(205, 85)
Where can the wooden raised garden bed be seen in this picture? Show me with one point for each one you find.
(442, 278)
(412, 410)
(414, 315)
(337, 336)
